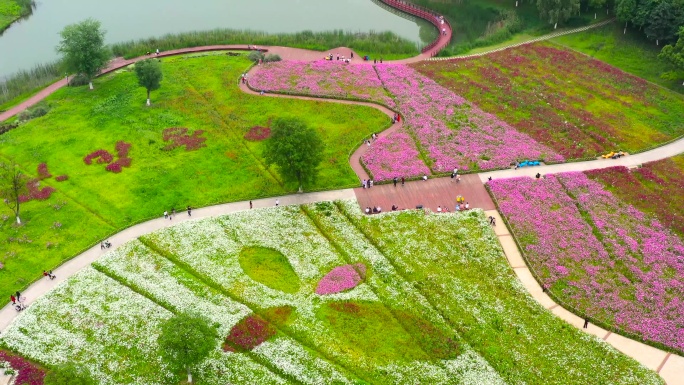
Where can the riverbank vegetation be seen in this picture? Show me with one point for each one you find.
(395, 298)
(482, 23)
(111, 161)
(21, 85)
(363, 42)
(13, 10)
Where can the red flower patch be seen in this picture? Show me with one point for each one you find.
(62, 178)
(258, 133)
(103, 156)
(43, 172)
(179, 136)
(35, 192)
(28, 373)
(249, 333)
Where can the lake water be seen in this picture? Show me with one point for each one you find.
(33, 40)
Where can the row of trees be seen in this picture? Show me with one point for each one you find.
(661, 21)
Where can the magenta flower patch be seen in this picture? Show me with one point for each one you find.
(323, 78)
(602, 256)
(341, 278)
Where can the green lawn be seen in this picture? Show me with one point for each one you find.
(12, 10)
(630, 52)
(199, 93)
(437, 304)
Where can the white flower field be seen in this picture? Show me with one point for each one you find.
(438, 304)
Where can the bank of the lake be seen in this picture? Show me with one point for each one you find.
(33, 40)
(13, 10)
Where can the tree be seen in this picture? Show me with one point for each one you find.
(149, 75)
(663, 22)
(83, 48)
(675, 55)
(186, 339)
(625, 10)
(12, 186)
(296, 149)
(68, 374)
(557, 11)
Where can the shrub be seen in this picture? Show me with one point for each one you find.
(78, 80)
(255, 56)
(271, 57)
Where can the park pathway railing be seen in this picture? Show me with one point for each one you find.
(431, 17)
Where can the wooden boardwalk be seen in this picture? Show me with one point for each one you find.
(429, 194)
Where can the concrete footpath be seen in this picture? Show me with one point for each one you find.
(669, 366)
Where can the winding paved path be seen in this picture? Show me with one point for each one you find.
(669, 366)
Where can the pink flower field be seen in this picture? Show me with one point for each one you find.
(453, 132)
(323, 78)
(442, 128)
(600, 255)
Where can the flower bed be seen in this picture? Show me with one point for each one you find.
(341, 278)
(578, 106)
(655, 188)
(453, 132)
(27, 373)
(602, 256)
(438, 304)
(102, 156)
(258, 133)
(322, 78)
(394, 156)
(180, 136)
(450, 132)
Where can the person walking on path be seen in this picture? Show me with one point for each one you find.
(157, 51)
(395, 181)
(586, 324)
(277, 202)
(370, 183)
(403, 180)
(49, 275)
(189, 211)
(166, 214)
(250, 205)
(13, 299)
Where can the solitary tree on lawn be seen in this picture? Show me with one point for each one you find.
(296, 149)
(83, 48)
(149, 75)
(12, 186)
(186, 339)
